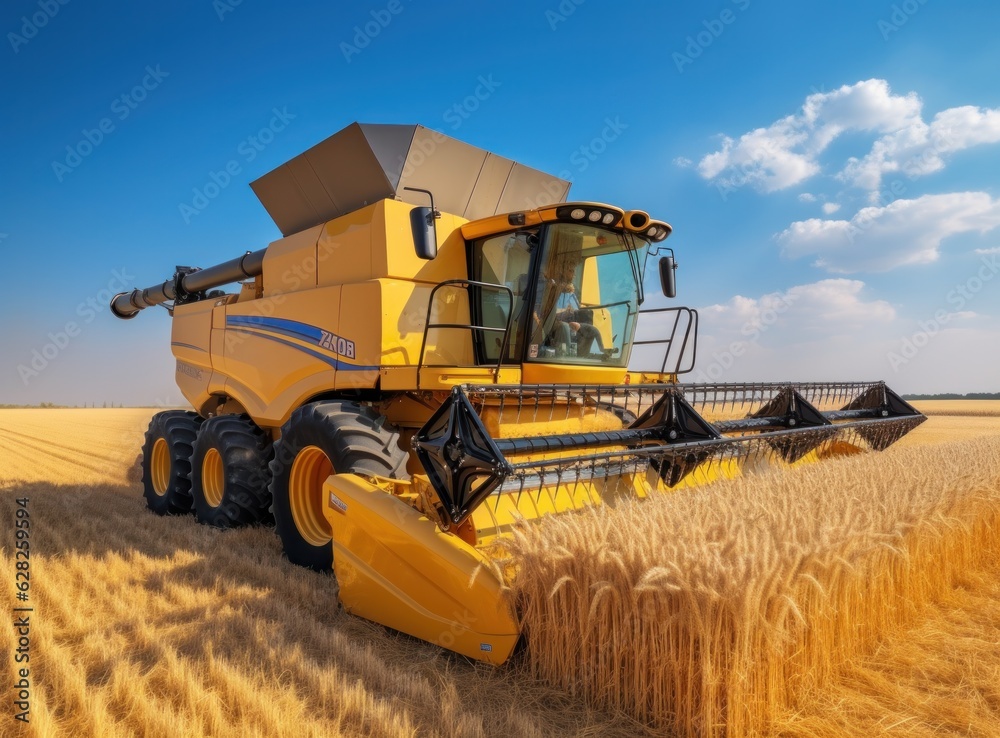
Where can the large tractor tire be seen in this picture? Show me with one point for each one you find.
(320, 439)
(230, 476)
(166, 461)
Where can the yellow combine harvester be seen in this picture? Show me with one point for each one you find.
(397, 385)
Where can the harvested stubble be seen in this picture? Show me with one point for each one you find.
(157, 626)
(709, 612)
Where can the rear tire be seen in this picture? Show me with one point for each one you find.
(320, 439)
(230, 476)
(166, 461)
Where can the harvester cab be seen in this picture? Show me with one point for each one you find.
(436, 351)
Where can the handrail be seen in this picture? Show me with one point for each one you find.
(690, 334)
(466, 284)
(587, 306)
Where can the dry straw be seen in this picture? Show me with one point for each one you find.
(709, 612)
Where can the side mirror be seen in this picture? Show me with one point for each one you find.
(668, 280)
(424, 232)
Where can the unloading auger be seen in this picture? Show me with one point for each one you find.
(436, 350)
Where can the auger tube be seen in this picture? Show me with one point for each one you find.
(127, 305)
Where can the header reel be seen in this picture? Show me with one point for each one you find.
(663, 431)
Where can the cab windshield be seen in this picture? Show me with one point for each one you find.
(585, 299)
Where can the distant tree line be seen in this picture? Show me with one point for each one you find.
(48, 405)
(954, 396)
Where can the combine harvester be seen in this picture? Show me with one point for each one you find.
(398, 385)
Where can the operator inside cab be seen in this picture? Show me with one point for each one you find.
(558, 322)
(575, 293)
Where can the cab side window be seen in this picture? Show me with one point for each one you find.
(503, 260)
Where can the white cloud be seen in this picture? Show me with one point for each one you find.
(834, 302)
(918, 148)
(987, 252)
(798, 333)
(832, 330)
(903, 232)
(923, 362)
(830, 207)
(784, 153)
(683, 161)
(807, 197)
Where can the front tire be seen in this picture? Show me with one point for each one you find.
(230, 474)
(320, 439)
(166, 461)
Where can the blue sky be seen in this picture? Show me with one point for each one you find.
(829, 170)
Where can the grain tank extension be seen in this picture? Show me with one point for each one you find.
(436, 350)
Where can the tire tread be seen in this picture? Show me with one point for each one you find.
(246, 451)
(355, 440)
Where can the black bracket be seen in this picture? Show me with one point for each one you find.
(462, 461)
(181, 295)
(795, 411)
(884, 403)
(670, 420)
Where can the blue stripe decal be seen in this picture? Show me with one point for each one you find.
(186, 345)
(278, 325)
(339, 365)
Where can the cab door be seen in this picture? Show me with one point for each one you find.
(507, 261)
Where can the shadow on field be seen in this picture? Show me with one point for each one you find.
(169, 587)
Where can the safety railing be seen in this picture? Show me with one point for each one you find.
(471, 327)
(683, 322)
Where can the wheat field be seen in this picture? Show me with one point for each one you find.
(959, 408)
(161, 627)
(727, 610)
(156, 626)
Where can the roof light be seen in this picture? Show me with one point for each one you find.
(577, 214)
(653, 232)
(608, 218)
(595, 215)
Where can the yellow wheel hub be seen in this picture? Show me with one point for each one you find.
(159, 466)
(305, 495)
(213, 477)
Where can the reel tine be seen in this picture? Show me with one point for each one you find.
(631, 431)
